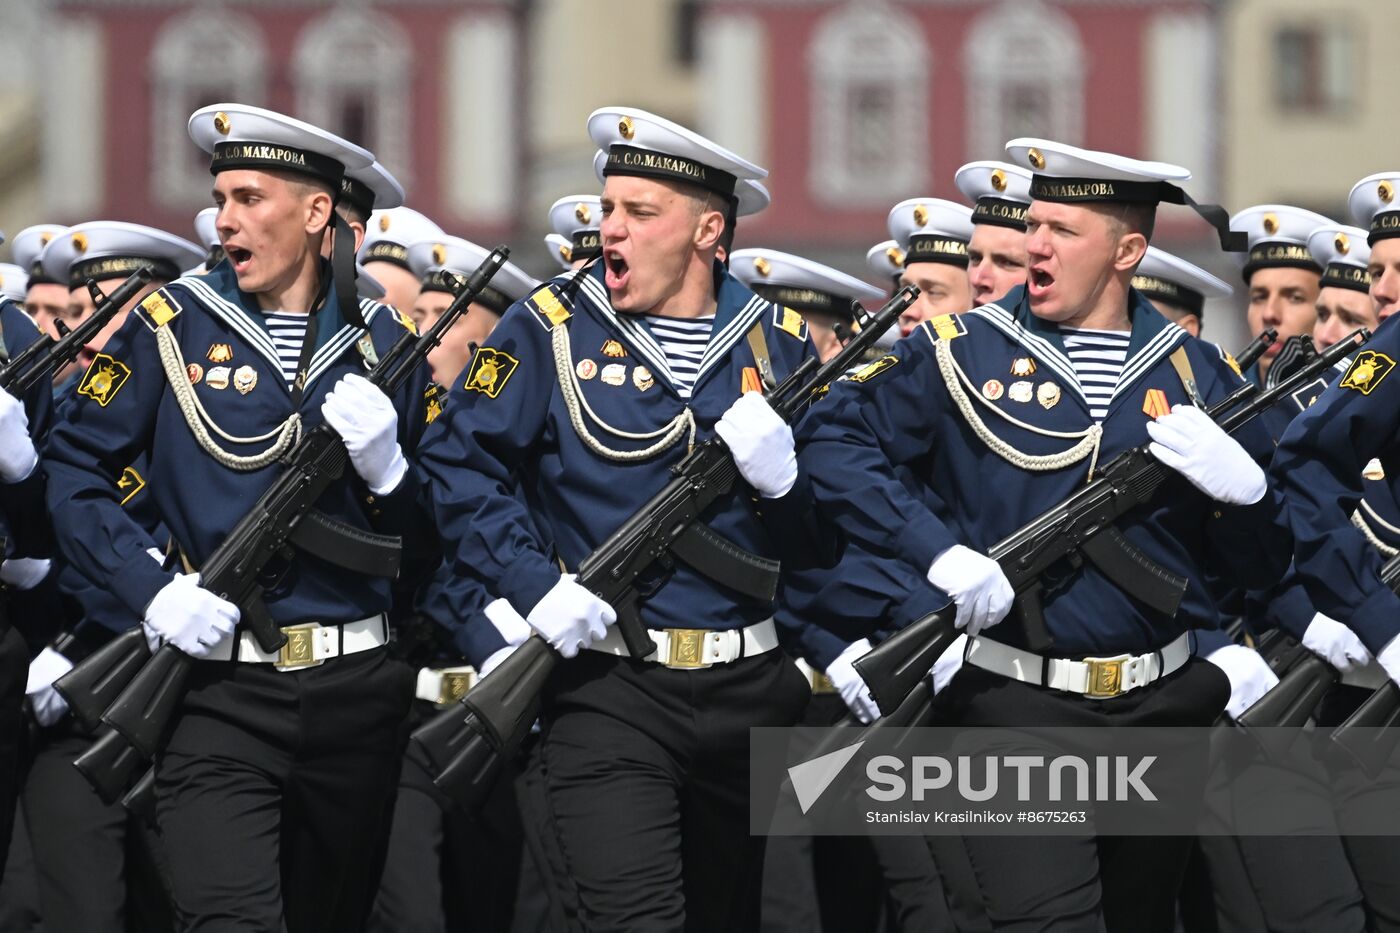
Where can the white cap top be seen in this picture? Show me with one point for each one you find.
(1374, 205)
(14, 281)
(799, 283)
(932, 230)
(753, 196)
(30, 242)
(640, 137)
(453, 254)
(390, 232)
(112, 249)
(1000, 192)
(206, 230)
(1058, 160)
(886, 259)
(289, 144)
(561, 248)
(1173, 279)
(1278, 236)
(1344, 255)
(575, 212)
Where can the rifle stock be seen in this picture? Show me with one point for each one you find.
(110, 765)
(90, 687)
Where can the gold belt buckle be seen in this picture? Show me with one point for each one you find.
(1105, 676)
(300, 649)
(687, 647)
(455, 685)
(822, 683)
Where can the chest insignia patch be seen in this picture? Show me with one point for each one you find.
(490, 371)
(104, 379)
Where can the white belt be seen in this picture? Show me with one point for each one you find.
(308, 645)
(444, 686)
(1099, 678)
(695, 648)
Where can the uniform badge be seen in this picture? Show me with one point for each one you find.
(614, 374)
(195, 372)
(992, 390)
(613, 349)
(490, 371)
(433, 398)
(641, 378)
(548, 308)
(947, 326)
(793, 322)
(157, 310)
(1231, 362)
(217, 377)
(586, 369)
(104, 379)
(1023, 366)
(749, 381)
(129, 484)
(1047, 394)
(1367, 371)
(1021, 391)
(1374, 471)
(1308, 394)
(871, 370)
(245, 379)
(1154, 404)
(220, 353)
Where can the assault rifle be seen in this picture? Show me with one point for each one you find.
(465, 745)
(1078, 529)
(144, 707)
(41, 358)
(1255, 349)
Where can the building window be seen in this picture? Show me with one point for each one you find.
(868, 69)
(353, 73)
(1025, 77)
(1314, 68)
(204, 57)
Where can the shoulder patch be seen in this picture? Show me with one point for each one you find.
(104, 379)
(434, 399)
(947, 326)
(158, 309)
(129, 484)
(789, 321)
(489, 372)
(1308, 394)
(1367, 371)
(871, 370)
(1230, 361)
(548, 309)
(406, 322)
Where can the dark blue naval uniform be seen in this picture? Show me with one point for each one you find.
(632, 750)
(288, 771)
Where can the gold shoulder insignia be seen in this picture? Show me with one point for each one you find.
(789, 321)
(948, 326)
(129, 484)
(1367, 371)
(1230, 361)
(404, 320)
(490, 371)
(434, 399)
(871, 370)
(104, 379)
(548, 308)
(158, 309)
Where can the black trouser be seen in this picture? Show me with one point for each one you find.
(548, 900)
(19, 891)
(647, 771)
(274, 792)
(1083, 883)
(14, 669)
(446, 870)
(95, 864)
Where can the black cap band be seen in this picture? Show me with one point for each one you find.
(37, 276)
(1346, 275)
(926, 247)
(1080, 190)
(233, 155)
(807, 299)
(358, 196)
(586, 244)
(1274, 254)
(626, 160)
(1171, 292)
(1384, 226)
(999, 212)
(119, 267)
(386, 251)
(445, 280)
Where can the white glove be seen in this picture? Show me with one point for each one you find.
(1389, 659)
(493, 662)
(513, 628)
(1250, 676)
(948, 663)
(190, 617)
(762, 445)
(48, 705)
(849, 684)
(571, 618)
(1188, 441)
(980, 590)
(24, 573)
(1335, 643)
(368, 423)
(18, 458)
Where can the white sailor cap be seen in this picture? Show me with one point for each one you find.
(1000, 192)
(371, 188)
(367, 285)
(561, 248)
(1068, 175)
(1278, 237)
(206, 229)
(1374, 206)
(886, 259)
(800, 284)
(242, 137)
(750, 195)
(14, 281)
(390, 232)
(644, 144)
(932, 230)
(577, 219)
(26, 247)
(1176, 281)
(112, 249)
(438, 262)
(1344, 255)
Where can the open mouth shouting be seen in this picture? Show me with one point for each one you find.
(239, 257)
(616, 271)
(1039, 282)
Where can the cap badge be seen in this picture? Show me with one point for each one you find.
(439, 254)
(1035, 158)
(1386, 190)
(998, 179)
(1342, 244)
(625, 127)
(384, 221)
(762, 266)
(896, 256)
(222, 124)
(80, 242)
(582, 212)
(44, 238)
(1271, 224)
(566, 253)
(920, 214)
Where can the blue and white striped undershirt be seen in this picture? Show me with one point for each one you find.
(1098, 357)
(683, 341)
(287, 331)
